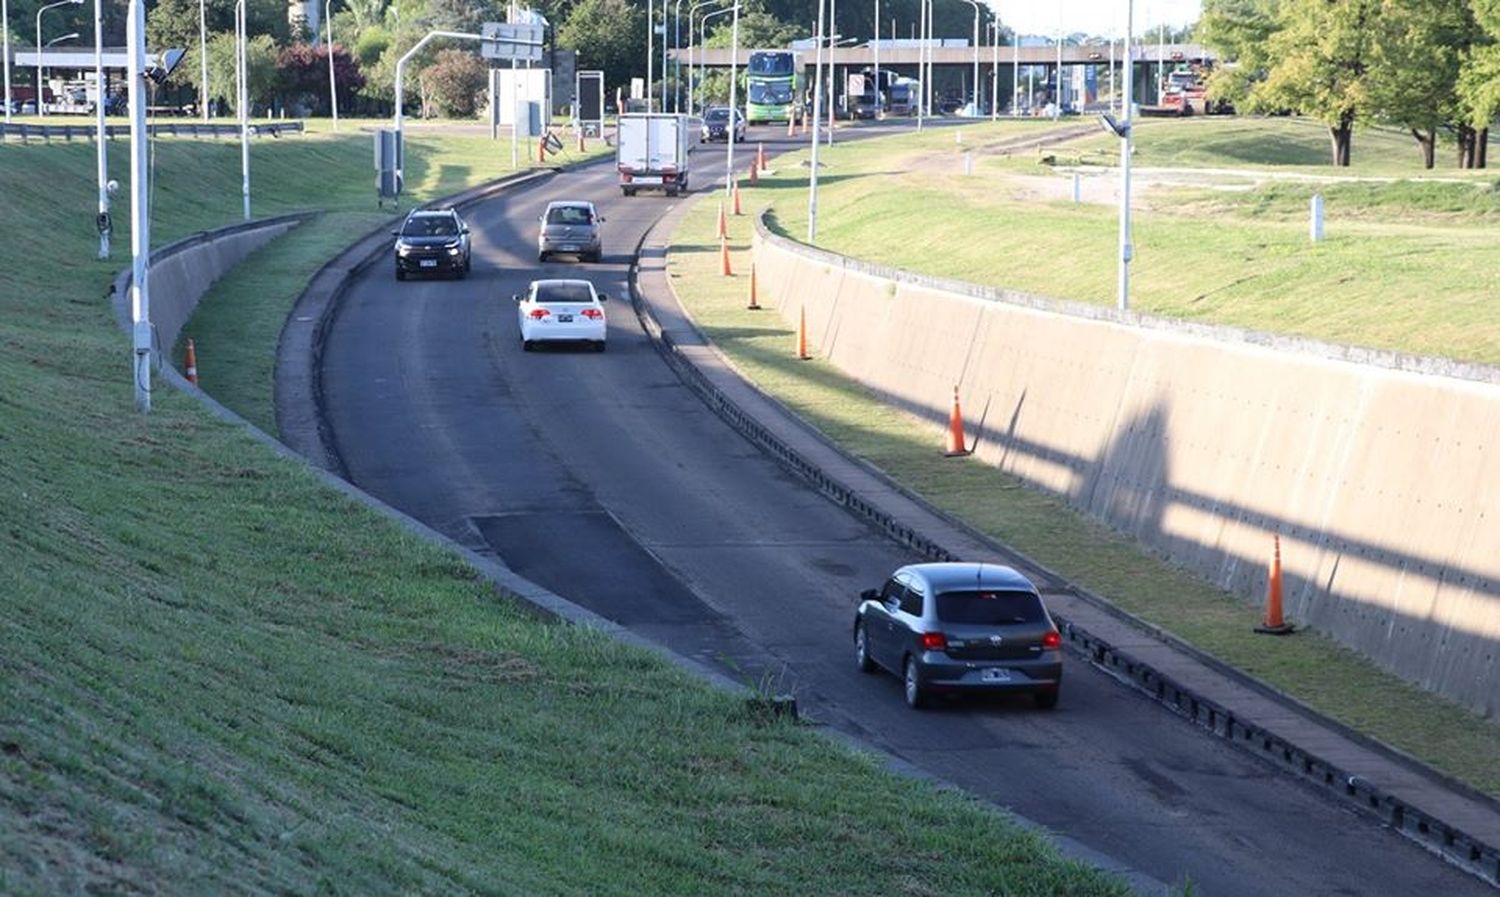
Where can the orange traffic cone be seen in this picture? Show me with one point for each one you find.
(1275, 624)
(190, 363)
(541, 150)
(723, 228)
(802, 335)
(760, 156)
(737, 197)
(791, 126)
(582, 147)
(754, 175)
(956, 441)
(754, 301)
(724, 258)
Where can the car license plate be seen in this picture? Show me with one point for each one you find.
(564, 319)
(649, 179)
(994, 676)
(569, 248)
(428, 263)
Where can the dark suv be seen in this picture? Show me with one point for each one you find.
(432, 242)
(960, 627)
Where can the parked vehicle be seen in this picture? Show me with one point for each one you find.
(716, 125)
(571, 227)
(654, 152)
(960, 627)
(432, 242)
(561, 311)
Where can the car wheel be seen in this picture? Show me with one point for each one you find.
(542, 256)
(916, 690)
(599, 345)
(400, 275)
(862, 650)
(1046, 700)
(527, 345)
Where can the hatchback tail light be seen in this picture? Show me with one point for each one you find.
(1051, 641)
(933, 641)
(593, 314)
(538, 313)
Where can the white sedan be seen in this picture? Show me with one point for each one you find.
(561, 310)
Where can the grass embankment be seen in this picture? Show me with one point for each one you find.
(1409, 268)
(861, 217)
(216, 676)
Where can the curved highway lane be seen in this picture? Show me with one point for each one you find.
(605, 479)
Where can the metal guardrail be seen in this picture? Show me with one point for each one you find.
(46, 133)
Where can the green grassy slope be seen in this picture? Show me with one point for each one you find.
(218, 677)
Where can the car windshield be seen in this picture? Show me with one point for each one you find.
(430, 226)
(989, 608)
(717, 115)
(564, 292)
(569, 215)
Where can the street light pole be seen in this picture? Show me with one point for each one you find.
(101, 156)
(812, 183)
(41, 107)
(734, 52)
(203, 57)
(241, 102)
(975, 4)
(921, 64)
(5, 39)
(664, 55)
(703, 38)
(333, 84)
(995, 69)
(650, 50)
(875, 44)
(692, 14)
(400, 117)
(1122, 297)
(140, 222)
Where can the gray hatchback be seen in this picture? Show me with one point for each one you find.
(571, 227)
(960, 627)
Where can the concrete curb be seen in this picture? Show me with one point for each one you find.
(1447, 840)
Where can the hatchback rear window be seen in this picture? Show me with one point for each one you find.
(564, 292)
(988, 608)
(569, 215)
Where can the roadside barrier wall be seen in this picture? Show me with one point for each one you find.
(1378, 471)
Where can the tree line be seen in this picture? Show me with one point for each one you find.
(1431, 67)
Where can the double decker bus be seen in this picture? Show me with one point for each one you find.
(775, 85)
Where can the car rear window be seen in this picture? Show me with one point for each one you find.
(564, 292)
(983, 607)
(569, 215)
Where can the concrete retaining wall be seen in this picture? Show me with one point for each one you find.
(1379, 474)
(182, 272)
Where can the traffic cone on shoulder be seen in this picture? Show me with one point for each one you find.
(190, 363)
(957, 444)
(1275, 624)
(541, 150)
(754, 174)
(760, 156)
(802, 353)
(791, 126)
(737, 211)
(724, 258)
(723, 228)
(582, 147)
(754, 300)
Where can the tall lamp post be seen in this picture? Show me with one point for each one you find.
(1121, 129)
(101, 156)
(693, 14)
(703, 39)
(5, 40)
(333, 84)
(994, 69)
(921, 64)
(812, 183)
(975, 4)
(41, 107)
(734, 52)
(242, 101)
(1015, 69)
(203, 57)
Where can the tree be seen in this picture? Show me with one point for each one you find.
(1415, 62)
(1321, 66)
(260, 64)
(455, 82)
(1239, 31)
(303, 76)
(174, 23)
(608, 35)
(1479, 85)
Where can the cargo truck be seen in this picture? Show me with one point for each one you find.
(653, 152)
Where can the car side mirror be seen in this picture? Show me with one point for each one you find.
(515, 297)
(464, 229)
(395, 233)
(603, 297)
(869, 595)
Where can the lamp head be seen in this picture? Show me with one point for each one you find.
(169, 58)
(1112, 125)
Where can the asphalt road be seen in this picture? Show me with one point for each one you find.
(606, 480)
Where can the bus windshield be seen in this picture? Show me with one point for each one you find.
(769, 63)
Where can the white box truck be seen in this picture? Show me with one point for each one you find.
(653, 152)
